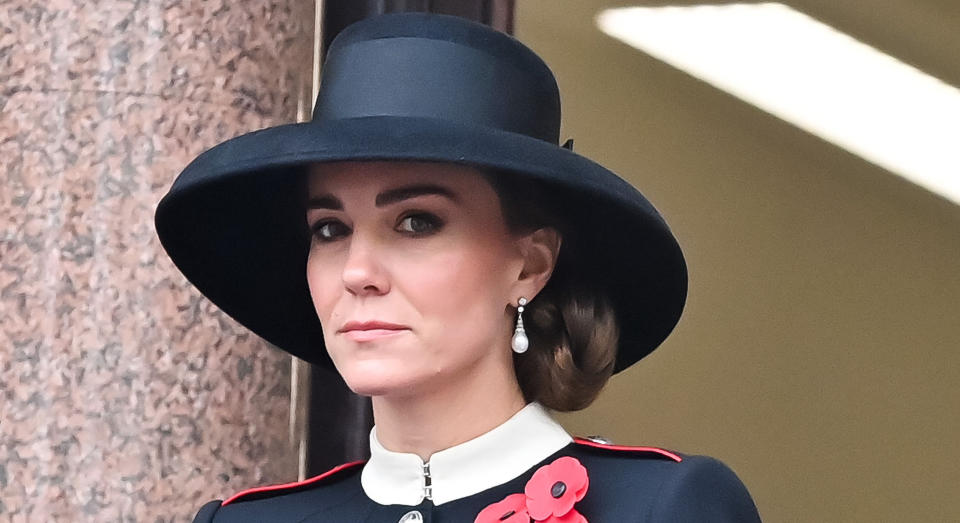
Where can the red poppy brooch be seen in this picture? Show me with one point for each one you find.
(549, 496)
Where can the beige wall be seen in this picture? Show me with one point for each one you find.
(818, 354)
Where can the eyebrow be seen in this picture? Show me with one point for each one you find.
(390, 196)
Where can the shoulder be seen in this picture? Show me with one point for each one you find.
(703, 488)
(665, 485)
(287, 501)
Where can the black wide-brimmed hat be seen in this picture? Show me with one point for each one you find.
(411, 86)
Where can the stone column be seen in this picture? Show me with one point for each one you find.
(124, 394)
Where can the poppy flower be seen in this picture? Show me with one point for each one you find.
(553, 490)
(512, 509)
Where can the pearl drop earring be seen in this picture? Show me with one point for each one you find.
(520, 343)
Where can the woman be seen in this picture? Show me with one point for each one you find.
(426, 236)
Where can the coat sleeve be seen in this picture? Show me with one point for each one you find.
(704, 489)
(207, 511)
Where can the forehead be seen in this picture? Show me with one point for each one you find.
(362, 177)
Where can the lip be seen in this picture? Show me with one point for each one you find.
(372, 334)
(370, 325)
(370, 330)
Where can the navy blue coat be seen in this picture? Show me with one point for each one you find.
(626, 484)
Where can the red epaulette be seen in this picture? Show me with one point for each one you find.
(599, 444)
(276, 489)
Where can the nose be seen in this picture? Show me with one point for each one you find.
(363, 272)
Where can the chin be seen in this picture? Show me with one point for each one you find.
(376, 378)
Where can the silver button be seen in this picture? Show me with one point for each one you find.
(412, 517)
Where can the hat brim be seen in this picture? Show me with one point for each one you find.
(234, 224)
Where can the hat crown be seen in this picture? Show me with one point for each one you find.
(433, 66)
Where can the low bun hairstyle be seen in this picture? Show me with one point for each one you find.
(571, 324)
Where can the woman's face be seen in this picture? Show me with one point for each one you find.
(419, 246)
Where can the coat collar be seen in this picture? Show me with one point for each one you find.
(491, 459)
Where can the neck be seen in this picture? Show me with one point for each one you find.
(448, 415)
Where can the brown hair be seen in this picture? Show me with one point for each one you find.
(571, 324)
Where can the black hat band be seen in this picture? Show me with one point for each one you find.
(417, 77)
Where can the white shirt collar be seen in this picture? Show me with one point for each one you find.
(491, 459)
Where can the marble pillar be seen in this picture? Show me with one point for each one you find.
(124, 394)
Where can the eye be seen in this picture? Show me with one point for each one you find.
(420, 223)
(326, 231)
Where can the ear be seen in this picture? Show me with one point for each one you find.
(539, 250)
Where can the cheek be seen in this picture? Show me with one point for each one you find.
(322, 280)
(457, 279)
(326, 289)
(459, 297)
